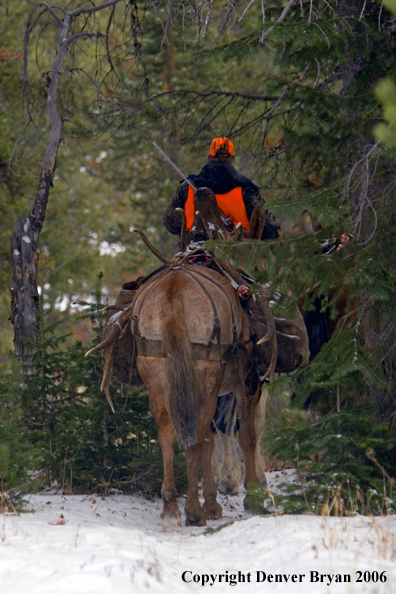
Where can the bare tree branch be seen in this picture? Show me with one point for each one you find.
(77, 11)
(109, 58)
(207, 19)
(51, 10)
(282, 17)
(83, 34)
(207, 94)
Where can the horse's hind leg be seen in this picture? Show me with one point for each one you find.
(259, 420)
(201, 452)
(195, 515)
(247, 433)
(226, 464)
(211, 508)
(152, 372)
(208, 377)
(170, 516)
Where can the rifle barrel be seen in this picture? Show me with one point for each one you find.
(175, 167)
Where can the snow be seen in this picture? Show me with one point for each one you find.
(76, 544)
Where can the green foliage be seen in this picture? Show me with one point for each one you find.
(344, 465)
(79, 445)
(386, 93)
(301, 108)
(17, 456)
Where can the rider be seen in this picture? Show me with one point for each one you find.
(236, 195)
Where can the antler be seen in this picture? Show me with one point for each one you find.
(163, 259)
(257, 223)
(270, 336)
(106, 375)
(183, 229)
(102, 345)
(203, 224)
(237, 233)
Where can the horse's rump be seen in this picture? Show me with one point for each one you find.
(179, 311)
(210, 307)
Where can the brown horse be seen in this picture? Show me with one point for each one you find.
(190, 328)
(192, 341)
(193, 346)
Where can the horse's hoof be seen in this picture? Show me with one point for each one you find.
(213, 511)
(171, 521)
(195, 519)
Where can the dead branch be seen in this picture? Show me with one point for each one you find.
(84, 34)
(282, 17)
(208, 94)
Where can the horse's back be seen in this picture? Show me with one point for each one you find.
(204, 297)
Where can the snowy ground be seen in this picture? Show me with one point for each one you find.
(89, 545)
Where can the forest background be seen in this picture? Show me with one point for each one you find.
(298, 87)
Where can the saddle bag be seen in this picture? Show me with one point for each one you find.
(125, 352)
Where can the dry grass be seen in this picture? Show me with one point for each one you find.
(353, 533)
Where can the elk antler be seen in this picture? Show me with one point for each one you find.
(183, 229)
(237, 233)
(270, 336)
(257, 223)
(203, 224)
(163, 259)
(106, 375)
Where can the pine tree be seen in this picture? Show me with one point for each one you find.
(56, 425)
(327, 166)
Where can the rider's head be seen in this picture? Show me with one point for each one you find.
(221, 149)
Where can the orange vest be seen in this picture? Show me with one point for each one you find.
(230, 204)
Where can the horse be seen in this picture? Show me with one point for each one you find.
(193, 345)
(185, 335)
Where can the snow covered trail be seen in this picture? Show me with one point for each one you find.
(89, 545)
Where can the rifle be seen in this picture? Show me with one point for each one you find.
(175, 167)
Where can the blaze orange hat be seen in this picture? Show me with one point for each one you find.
(221, 143)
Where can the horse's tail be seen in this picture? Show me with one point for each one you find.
(183, 390)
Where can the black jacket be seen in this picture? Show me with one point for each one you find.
(221, 178)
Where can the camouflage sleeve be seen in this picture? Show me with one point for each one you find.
(252, 197)
(172, 218)
(271, 228)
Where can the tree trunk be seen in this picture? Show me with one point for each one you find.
(24, 242)
(25, 299)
